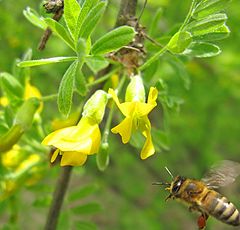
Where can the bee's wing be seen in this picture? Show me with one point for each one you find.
(222, 174)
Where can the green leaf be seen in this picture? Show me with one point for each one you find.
(65, 92)
(180, 70)
(33, 17)
(179, 42)
(11, 85)
(82, 192)
(173, 103)
(202, 49)
(84, 225)
(218, 34)
(155, 21)
(206, 25)
(60, 31)
(25, 113)
(81, 48)
(92, 19)
(87, 209)
(96, 63)
(137, 140)
(71, 13)
(65, 221)
(208, 7)
(45, 61)
(42, 201)
(160, 140)
(9, 116)
(80, 84)
(113, 40)
(87, 6)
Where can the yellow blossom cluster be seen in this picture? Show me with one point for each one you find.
(74, 144)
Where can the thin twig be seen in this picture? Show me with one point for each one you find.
(47, 33)
(58, 197)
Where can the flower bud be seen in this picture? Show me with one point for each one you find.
(95, 106)
(135, 90)
(25, 114)
(103, 156)
(10, 138)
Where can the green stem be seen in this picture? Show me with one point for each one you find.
(103, 78)
(189, 15)
(49, 97)
(153, 58)
(110, 115)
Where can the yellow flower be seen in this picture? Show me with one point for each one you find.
(136, 113)
(11, 158)
(59, 123)
(4, 101)
(32, 91)
(75, 143)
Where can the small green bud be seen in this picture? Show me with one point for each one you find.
(103, 156)
(135, 90)
(25, 113)
(10, 138)
(95, 106)
(11, 85)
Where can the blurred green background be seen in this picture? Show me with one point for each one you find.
(205, 130)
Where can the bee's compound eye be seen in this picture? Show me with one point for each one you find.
(176, 186)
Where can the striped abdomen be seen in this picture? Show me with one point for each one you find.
(219, 207)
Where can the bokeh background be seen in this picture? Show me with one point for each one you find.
(204, 130)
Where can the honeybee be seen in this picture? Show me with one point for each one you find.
(201, 195)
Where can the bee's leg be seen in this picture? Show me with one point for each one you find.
(202, 220)
(169, 197)
(193, 208)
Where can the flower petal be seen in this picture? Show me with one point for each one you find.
(57, 135)
(143, 109)
(152, 96)
(83, 146)
(124, 129)
(126, 107)
(78, 138)
(148, 148)
(96, 140)
(73, 158)
(114, 96)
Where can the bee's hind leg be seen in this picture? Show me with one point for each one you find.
(202, 220)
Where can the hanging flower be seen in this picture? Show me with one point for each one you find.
(75, 143)
(136, 111)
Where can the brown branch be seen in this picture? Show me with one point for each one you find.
(127, 9)
(58, 197)
(47, 33)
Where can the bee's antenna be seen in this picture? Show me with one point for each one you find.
(169, 172)
(161, 183)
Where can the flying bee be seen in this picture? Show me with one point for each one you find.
(201, 195)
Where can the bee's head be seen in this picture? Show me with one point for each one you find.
(176, 185)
